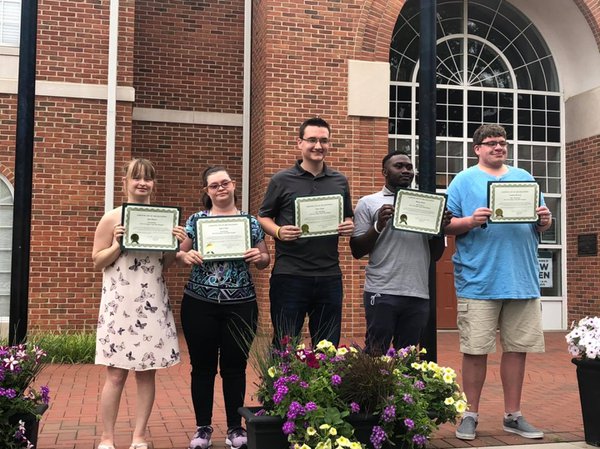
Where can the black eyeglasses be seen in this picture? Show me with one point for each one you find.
(324, 141)
(495, 143)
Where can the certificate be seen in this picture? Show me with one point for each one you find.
(222, 238)
(513, 202)
(149, 227)
(319, 215)
(418, 211)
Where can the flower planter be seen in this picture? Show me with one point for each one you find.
(588, 378)
(265, 431)
(32, 425)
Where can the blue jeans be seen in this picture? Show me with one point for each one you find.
(294, 297)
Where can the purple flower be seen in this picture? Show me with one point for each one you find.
(420, 385)
(389, 413)
(409, 423)
(310, 406)
(45, 393)
(354, 407)
(408, 398)
(294, 410)
(8, 393)
(303, 384)
(378, 436)
(391, 352)
(288, 427)
(261, 412)
(336, 380)
(419, 440)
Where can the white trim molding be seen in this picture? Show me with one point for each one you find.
(187, 117)
(69, 90)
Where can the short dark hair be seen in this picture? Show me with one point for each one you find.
(488, 130)
(399, 152)
(314, 121)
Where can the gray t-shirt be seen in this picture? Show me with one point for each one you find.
(399, 261)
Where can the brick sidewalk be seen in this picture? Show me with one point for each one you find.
(550, 401)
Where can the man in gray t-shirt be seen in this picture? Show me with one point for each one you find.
(396, 295)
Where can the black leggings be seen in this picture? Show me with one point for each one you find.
(218, 334)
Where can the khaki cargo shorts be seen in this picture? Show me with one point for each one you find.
(519, 321)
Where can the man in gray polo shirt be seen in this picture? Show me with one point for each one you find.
(396, 295)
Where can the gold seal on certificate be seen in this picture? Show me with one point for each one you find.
(319, 215)
(417, 211)
(149, 227)
(224, 237)
(513, 202)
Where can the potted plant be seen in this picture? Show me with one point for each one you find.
(327, 397)
(584, 345)
(21, 405)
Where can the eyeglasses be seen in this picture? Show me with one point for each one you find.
(324, 141)
(495, 143)
(224, 185)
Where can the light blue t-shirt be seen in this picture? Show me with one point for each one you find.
(500, 260)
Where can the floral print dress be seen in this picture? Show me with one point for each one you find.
(136, 329)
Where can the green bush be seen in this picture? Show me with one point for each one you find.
(68, 347)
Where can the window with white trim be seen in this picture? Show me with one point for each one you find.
(10, 20)
(6, 226)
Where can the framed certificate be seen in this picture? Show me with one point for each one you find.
(513, 202)
(319, 215)
(149, 227)
(417, 211)
(222, 238)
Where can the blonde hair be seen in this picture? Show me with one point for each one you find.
(140, 168)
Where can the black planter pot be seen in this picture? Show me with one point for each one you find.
(32, 425)
(588, 378)
(264, 432)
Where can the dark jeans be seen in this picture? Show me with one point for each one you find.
(218, 334)
(399, 320)
(294, 297)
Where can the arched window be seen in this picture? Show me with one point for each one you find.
(493, 66)
(6, 225)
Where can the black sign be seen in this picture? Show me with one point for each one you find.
(587, 245)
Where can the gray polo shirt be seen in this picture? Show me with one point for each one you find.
(316, 256)
(399, 261)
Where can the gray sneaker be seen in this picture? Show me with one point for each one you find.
(522, 427)
(466, 429)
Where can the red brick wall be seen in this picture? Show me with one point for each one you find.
(189, 55)
(591, 11)
(582, 166)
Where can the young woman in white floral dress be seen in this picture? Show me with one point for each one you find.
(136, 331)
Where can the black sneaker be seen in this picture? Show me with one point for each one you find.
(237, 438)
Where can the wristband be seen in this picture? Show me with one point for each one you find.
(375, 227)
(277, 236)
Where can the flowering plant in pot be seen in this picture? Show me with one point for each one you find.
(19, 401)
(320, 392)
(584, 345)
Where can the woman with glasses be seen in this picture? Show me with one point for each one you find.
(219, 312)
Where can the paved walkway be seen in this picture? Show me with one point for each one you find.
(550, 401)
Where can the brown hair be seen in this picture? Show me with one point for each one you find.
(209, 171)
(488, 130)
(140, 168)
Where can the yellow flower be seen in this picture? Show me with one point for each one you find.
(423, 351)
(353, 349)
(449, 401)
(342, 442)
(432, 366)
(324, 444)
(385, 358)
(460, 406)
(324, 426)
(305, 446)
(333, 431)
(448, 378)
(450, 371)
(355, 445)
(342, 351)
(324, 344)
(415, 365)
(300, 347)
(271, 371)
(311, 431)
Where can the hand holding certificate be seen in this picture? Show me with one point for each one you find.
(319, 215)
(149, 227)
(223, 237)
(513, 202)
(420, 212)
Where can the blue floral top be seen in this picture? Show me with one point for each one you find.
(222, 280)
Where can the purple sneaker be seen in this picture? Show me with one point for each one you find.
(201, 439)
(237, 438)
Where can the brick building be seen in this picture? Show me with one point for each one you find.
(228, 82)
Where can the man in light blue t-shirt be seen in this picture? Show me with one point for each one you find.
(496, 275)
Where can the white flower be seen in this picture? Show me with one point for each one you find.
(584, 339)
